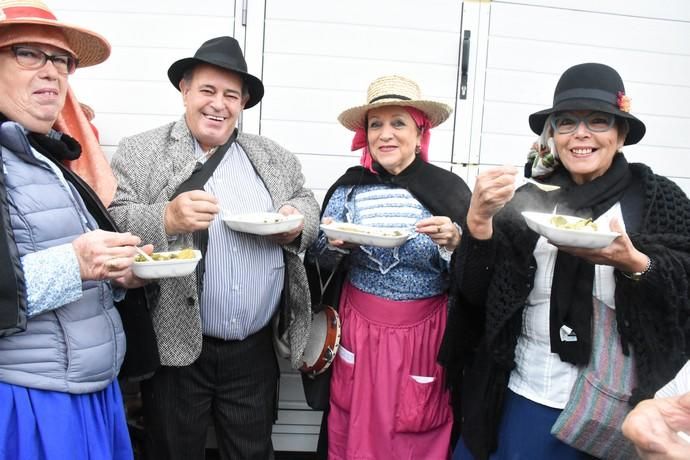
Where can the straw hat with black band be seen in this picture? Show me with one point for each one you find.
(223, 52)
(30, 21)
(394, 90)
(594, 87)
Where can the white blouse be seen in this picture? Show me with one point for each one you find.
(540, 375)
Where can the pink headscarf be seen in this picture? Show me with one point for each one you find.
(422, 122)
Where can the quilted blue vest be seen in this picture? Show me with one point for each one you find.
(79, 347)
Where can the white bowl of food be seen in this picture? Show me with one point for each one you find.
(572, 231)
(262, 223)
(167, 264)
(364, 235)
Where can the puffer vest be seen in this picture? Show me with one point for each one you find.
(79, 347)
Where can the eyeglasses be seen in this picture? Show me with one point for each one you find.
(597, 122)
(31, 57)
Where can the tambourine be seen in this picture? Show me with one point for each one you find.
(323, 342)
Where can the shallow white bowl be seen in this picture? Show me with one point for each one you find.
(262, 223)
(590, 239)
(166, 268)
(367, 236)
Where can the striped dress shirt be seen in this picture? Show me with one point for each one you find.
(244, 273)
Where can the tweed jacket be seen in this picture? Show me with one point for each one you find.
(149, 167)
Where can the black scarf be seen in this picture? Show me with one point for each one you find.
(573, 278)
(441, 192)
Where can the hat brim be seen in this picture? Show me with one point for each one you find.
(89, 47)
(437, 112)
(637, 128)
(254, 85)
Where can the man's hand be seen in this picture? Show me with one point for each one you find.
(287, 237)
(189, 212)
(105, 255)
(653, 427)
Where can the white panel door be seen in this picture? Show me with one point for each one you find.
(318, 59)
(130, 92)
(530, 46)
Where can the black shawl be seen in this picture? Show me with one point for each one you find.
(440, 191)
(493, 278)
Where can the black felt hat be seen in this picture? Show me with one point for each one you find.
(595, 87)
(223, 52)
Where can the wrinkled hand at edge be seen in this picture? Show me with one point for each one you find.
(620, 254)
(493, 188)
(106, 255)
(287, 237)
(189, 212)
(441, 230)
(653, 427)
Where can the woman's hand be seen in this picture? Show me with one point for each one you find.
(340, 244)
(441, 230)
(129, 280)
(493, 188)
(620, 254)
(105, 255)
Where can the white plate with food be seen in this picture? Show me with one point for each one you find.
(263, 223)
(168, 264)
(364, 235)
(570, 230)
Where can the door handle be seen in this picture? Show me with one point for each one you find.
(464, 64)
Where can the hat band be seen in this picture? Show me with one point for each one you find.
(27, 12)
(389, 96)
(585, 93)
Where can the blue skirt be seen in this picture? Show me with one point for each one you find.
(525, 434)
(49, 425)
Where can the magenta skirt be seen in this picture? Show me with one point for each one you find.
(388, 396)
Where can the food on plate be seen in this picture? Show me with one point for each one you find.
(368, 230)
(187, 253)
(580, 224)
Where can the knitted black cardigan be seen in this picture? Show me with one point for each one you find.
(493, 278)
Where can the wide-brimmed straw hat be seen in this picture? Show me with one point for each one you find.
(24, 21)
(223, 52)
(394, 90)
(595, 87)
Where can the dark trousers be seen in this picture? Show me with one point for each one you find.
(233, 384)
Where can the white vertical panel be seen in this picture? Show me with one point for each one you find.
(676, 10)
(131, 92)
(318, 59)
(530, 46)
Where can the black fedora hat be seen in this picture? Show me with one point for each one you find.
(595, 87)
(223, 52)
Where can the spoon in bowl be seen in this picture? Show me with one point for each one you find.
(146, 256)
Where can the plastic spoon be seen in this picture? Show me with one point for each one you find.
(540, 186)
(146, 256)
